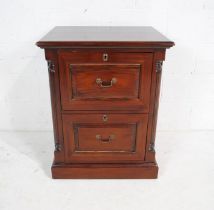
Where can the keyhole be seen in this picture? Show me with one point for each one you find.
(105, 118)
(105, 57)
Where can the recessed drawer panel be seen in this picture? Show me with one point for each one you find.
(119, 138)
(91, 81)
(99, 81)
(104, 137)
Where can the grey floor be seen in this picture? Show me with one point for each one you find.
(186, 177)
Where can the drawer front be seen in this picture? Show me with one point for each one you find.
(89, 82)
(104, 137)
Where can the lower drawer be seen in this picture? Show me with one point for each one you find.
(104, 137)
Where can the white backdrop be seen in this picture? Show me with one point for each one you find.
(187, 94)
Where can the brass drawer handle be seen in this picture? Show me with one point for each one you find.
(106, 84)
(105, 140)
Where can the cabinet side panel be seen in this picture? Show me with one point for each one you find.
(52, 59)
(159, 57)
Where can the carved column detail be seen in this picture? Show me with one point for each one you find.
(152, 147)
(58, 147)
(51, 66)
(158, 69)
(159, 66)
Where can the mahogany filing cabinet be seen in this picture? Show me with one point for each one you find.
(104, 84)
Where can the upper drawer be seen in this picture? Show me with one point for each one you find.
(105, 81)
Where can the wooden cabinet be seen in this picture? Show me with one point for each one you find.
(104, 84)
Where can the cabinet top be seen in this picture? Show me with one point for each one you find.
(104, 36)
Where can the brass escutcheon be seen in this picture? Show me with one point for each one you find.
(105, 118)
(105, 57)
